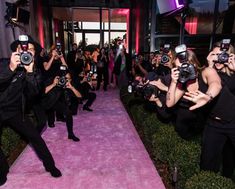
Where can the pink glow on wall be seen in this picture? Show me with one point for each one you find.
(137, 45)
(127, 29)
(40, 24)
(191, 25)
(123, 11)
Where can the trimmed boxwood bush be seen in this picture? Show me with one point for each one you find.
(186, 157)
(167, 147)
(9, 140)
(209, 180)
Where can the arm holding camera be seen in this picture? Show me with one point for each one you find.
(51, 86)
(213, 81)
(158, 83)
(231, 62)
(73, 89)
(173, 93)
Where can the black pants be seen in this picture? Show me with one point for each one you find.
(188, 123)
(90, 97)
(228, 159)
(102, 72)
(214, 139)
(26, 129)
(61, 108)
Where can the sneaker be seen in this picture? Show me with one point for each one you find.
(3, 180)
(74, 138)
(51, 125)
(87, 108)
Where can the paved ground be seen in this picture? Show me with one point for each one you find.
(110, 154)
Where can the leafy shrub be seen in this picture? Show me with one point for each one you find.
(9, 140)
(186, 157)
(209, 180)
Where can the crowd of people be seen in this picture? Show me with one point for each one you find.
(196, 98)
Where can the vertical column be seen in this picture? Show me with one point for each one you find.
(153, 26)
(109, 20)
(101, 34)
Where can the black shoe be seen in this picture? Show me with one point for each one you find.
(51, 125)
(62, 119)
(87, 108)
(54, 172)
(74, 138)
(3, 180)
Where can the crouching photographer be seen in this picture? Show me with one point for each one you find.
(57, 98)
(153, 90)
(188, 78)
(18, 85)
(86, 87)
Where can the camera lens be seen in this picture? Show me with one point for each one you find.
(223, 57)
(26, 58)
(165, 59)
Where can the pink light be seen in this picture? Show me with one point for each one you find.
(137, 30)
(123, 11)
(191, 25)
(127, 29)
(177, 4)
(40, 24)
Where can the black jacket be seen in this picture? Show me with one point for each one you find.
(16, 88)
(118, 62)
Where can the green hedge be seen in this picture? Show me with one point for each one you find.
(208, 180)
(167, 147)
(9, 140)
(12, 143)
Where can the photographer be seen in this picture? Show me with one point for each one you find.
(85, 88)
(140, 66)
(220, 132)
(102, 69)
(122, 67)
(19, 84)
(57, 98)
(188, 78)
(53, 62)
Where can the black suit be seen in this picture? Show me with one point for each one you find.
(16, 88)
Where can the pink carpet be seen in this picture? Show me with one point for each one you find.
(110, 154)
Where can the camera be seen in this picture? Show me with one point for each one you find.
(187, 70)
(62, 80)
(165, 58)
(224, 56)
(89, 76)
(26, 57)
(181, 52)
(58, 48)
(146, 91)
(149, 90)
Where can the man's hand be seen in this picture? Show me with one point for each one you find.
(14, 61)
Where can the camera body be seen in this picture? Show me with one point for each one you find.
(224, 47)
(149, 90)
(146, 91)
(89, 76)
(26, 58)
(62, 80)
(187, 70)
(58, 48)
(165, 57)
